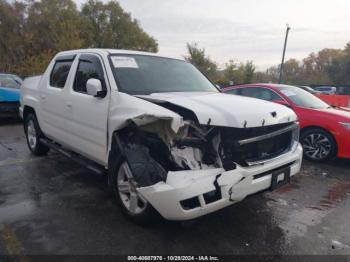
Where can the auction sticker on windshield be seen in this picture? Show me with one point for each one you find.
(124, 62)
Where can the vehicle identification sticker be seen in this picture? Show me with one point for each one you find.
(124, 62)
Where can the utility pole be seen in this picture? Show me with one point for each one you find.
(284, 52)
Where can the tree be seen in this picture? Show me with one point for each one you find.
(326, 67)
(52, 26)
(315, 67)
(249, 70)
(32, 32)
(339, 70)
(234, 73)
(198, 58)
(291, 72)
(111, 27)
(230, 73)
(11, 32)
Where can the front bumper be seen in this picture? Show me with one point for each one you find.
(343, 143)
(194, 185)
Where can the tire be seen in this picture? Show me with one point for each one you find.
(318, 144)
(132, 204)
(33, 135)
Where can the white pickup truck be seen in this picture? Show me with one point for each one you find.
(169, 140)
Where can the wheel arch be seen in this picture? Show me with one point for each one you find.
(27, 110)
(114, 150)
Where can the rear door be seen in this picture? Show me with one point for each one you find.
(53, 113)
(88, 115)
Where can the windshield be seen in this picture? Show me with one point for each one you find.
(302, 98)
(141, 74)
(9, 81)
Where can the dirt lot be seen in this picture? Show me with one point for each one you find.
(50, 205)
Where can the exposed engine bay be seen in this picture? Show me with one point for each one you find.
(152, 152)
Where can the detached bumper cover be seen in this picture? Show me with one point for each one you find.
(194, 193)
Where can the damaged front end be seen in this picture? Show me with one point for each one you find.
(203, 168)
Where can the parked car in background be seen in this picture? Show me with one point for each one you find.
(329, 90)
(169, 139)
(343, 90)
(9, 95)
(325, 131)
(310, 90)
(338, 96)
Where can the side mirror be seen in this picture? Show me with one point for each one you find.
(94, 88)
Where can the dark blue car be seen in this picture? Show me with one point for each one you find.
(9, 95)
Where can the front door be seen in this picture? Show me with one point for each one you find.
(88, 114)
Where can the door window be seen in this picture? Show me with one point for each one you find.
(260, 93)
(236, 91)
(89, 67)
(60, 73)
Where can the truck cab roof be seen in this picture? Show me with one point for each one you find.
(105, 51)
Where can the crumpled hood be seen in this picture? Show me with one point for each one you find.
(227, 110)
(9, 94)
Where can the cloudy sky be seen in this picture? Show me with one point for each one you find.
(243, 29)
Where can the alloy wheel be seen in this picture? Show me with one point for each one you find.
(31, 134)
(317, 146)
(132, 200)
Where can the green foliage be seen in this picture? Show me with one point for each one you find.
(11, 32)
(249, 70)
(233, 73)
(111, 27)
(198, 58)
(32, 32)
(339, 71)
(327, 67)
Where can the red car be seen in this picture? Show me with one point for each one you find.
(325, 131)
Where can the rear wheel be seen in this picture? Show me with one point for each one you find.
(132, 203)
(33, 135)
(318, 144)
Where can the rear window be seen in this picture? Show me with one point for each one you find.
(60, 73)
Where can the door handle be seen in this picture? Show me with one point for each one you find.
(43, 97)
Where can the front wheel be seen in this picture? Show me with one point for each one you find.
(318, 145)
(33, 135)
(132, 203)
